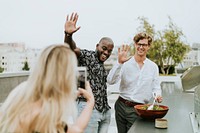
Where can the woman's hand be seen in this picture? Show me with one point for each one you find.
(87, 93)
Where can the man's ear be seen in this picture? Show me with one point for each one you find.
(134, 44)
(97, 45)
(149, 46)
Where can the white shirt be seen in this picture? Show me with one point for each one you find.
(136, 84)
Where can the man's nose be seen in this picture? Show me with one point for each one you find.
(106, 52)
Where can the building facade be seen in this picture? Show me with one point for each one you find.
(193, 57)
(14, 55)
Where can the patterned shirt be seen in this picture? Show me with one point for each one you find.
(96, 75)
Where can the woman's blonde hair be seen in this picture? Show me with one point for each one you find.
(53, 82)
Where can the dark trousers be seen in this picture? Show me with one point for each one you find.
(125, 116)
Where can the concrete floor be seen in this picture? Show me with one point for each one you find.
(112, 98)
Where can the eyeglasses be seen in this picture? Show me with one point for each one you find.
(140, 44)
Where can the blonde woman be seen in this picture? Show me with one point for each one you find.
(45, 103)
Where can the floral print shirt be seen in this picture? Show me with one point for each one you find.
(97, 76)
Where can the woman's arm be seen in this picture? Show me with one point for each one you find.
(82, 121)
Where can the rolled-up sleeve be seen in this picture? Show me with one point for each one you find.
(156, 83)
(114, 74)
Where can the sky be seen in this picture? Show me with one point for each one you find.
(39, 23)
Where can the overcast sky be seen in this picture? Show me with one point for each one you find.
(39, 23)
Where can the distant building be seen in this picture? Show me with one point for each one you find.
(14, 55)
(4, 47)
(193, 57)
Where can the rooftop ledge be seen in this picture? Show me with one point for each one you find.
(14, 74)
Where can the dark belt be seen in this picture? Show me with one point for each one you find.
(128, 103)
